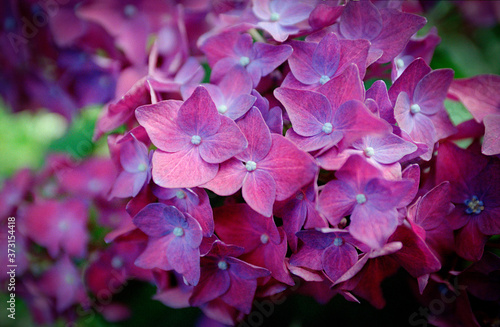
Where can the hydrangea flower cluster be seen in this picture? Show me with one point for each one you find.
(270, 146)
(338, 199)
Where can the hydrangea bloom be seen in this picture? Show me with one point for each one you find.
(371, 200)
(192, 139)
(174, 241)
(270, 169)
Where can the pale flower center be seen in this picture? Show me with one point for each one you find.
(415, 108)
(116, 262)
(264, 238)
(324, 79)
(178, 231)
(360, 198)
(369, 151)
(274, 16)
(338, 241)
(196, 139)
(244, 61)
(129, 10)
(222, 265)
(222, 108)
(400, 63)
(327, 128)
(180, 194)
(251, 165)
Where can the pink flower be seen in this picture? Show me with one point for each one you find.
(192, 139)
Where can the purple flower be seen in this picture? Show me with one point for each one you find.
(192, 139)
(135, 164)
(174, 240)
(232, 94)
(299, 210)
(229, 49)
(63, 282)
(418, 96)
(314, 64)
(475, 193)
(360, 191)
(270, 169)
(322, 120)
(57, 225)
(384, 152)
(480, 96)
(193, 201)
(422, 47)
(272, 116)
(388, 30)
(330, 250)
(280, 17)
(227, 278)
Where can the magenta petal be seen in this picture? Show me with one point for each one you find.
(326, 57)
(415, 256)
(219, 46)
(371, 226)
(355, 120)
(357, 170)
(301, 63)
(324, 15)
(198, 114)
(412, 172)
(409, 79)
(229, 179)
(337, 260)
(236, 82)
(398, 28)
(259, 191)
(154, 256)
(290, 167)
(336, 200)
(390, 148)
(378, 92)
(356, 52)
(346, 86)
(279, 32)
(226, 143)
(491, 143)
(258, 135)
(239, 106)
(314, 142)
(308, 111)
(128, 184)
(182, 169)
(159, 121)
(479, 94)
(360, 20)
(213, 283)
(240, 293)
(470, 242)
(184, 259)
(269, 57)
(156, 219)
(432, 89)
(434, 206)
